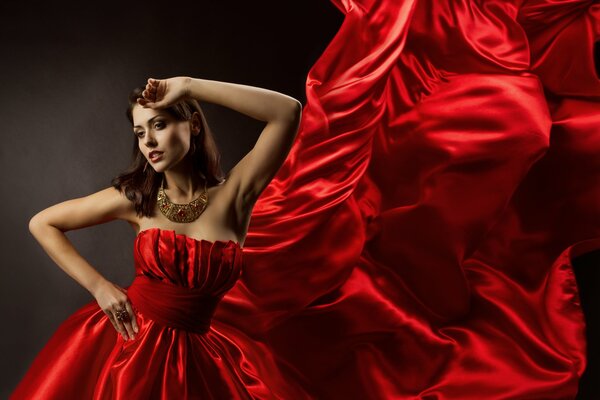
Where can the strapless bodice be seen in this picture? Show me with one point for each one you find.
(167, 256)
(180, 280)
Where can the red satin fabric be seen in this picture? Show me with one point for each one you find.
(190, 309)
(417, 243)
(178, 282)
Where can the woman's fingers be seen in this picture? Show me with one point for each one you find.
(116, 324)
(124, 327)
(153, 95)
(116, 305)
(150, 89)
(134, 324)
(120, 324)
(129, 330)
(128, 321)
(152, 86)
(148, 98)
(149, 95)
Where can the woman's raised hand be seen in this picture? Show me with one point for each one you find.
(161, 93)
(112, 298)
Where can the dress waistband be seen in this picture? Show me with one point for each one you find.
(170, 305)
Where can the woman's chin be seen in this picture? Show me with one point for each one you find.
(159, 166)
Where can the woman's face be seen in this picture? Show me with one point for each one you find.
(161, 134)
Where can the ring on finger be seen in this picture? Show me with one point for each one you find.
(122, 315)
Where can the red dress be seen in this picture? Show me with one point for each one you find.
(177, 353)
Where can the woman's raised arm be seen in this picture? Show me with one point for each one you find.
(281, 112)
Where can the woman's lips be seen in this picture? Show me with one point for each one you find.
(155, 156)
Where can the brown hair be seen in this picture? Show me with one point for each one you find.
(141, 187)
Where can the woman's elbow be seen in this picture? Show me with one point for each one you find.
(297, 108)
(36, 223)
(292, 111)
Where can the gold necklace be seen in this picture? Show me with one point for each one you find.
(181, 212)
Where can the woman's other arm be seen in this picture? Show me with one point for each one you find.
(48, 227)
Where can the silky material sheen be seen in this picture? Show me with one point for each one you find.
(177, 353)
(417, 242)
(169, 305)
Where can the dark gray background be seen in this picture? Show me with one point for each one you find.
(65, 74)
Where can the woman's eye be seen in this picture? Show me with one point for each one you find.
(156, 125)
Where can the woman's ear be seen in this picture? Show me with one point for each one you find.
(196, 123)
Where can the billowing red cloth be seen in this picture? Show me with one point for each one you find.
(417, 242)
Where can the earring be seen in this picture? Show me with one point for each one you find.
(193, 147)
(145, 166)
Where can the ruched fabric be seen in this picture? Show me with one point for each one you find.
(174, 306)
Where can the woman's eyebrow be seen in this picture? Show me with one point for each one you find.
(150, 120)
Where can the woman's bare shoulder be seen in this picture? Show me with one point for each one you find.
(113, 203)
(123, 207)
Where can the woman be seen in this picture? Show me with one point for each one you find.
(190, 225)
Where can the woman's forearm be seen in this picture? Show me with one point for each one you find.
(61, 251)
(258, 103)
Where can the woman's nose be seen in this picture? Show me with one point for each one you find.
(150, 141)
